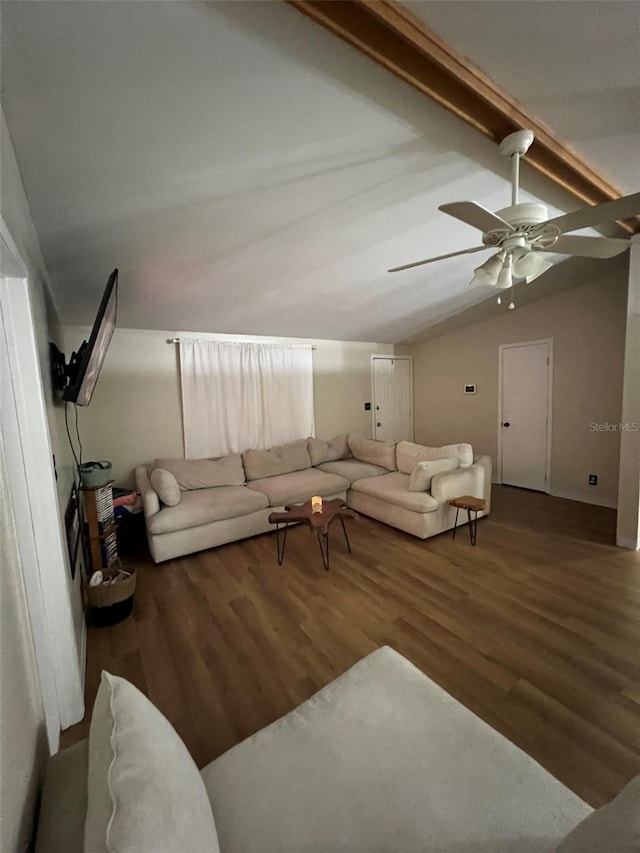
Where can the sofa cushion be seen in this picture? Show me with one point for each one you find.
(352, 469)
(394, 488)
(374, 452)
(202, 506)
(63, 808)
(383, 759)
(423, 473)
(328, 451)
(278, 460)
(408, 454)
(205, 473)
(299, 486)
(166, 486)
(614, 827)
(144, 790)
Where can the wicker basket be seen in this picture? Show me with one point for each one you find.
(108, 594)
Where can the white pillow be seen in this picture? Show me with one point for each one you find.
(193, 474)
(328, 451)
(615, 828)
(166, 486)
(382, 453)
(408, 454)
(423, 473)
(145, 793)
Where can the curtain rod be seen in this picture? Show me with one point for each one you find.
(177, 341)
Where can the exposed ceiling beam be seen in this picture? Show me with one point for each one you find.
(395, 38)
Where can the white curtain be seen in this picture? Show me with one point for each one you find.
(237, 396)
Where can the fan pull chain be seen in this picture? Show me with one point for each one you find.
(512, 304)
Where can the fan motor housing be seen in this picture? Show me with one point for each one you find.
(529, 213)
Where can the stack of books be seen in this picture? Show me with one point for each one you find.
(106, 526)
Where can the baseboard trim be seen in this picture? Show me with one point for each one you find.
(628, 542)
(580, 498)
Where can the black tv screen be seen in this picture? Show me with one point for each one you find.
(84, 367)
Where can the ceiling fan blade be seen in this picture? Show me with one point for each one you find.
(475, 215)
(587, 217)
(438, 258)
(589, 247)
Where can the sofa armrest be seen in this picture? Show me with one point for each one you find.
(150, 499)
(474, 480)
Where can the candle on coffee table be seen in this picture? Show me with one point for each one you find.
(316, 504)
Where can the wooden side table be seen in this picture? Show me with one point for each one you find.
(472, 505)
(318, 523)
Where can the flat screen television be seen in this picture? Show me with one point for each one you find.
(84, 365)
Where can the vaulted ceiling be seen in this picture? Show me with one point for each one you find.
(250, 173)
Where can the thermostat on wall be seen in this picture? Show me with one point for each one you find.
(470, 389)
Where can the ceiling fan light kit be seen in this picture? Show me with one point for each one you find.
(505, 276)
(522, 231)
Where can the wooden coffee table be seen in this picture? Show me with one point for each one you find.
(318, 523)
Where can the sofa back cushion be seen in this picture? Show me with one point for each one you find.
(614, 827)
(409, 454)
(145, 792)
(204, 473)
(328, 451)
(166, 486)
(374, 452)
(284, 459)
(424, 472)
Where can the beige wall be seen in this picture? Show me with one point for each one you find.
(135, 414)
(587, 325)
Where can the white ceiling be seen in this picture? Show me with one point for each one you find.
(573, 63)
(245, 170)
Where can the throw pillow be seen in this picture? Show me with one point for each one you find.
(145, 792)
(205, 473)
(284, 459)
(408, 454)
(423, 473)
(328, 451)
(614, 828)
(166, 486)
(382, 453)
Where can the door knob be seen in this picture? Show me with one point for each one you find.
(506, 424)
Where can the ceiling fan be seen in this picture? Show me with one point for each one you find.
(522, 232)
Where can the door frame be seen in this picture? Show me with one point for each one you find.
(501, 349)
(408, 358)
(44, 560)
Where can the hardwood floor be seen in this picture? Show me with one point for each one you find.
(536, 630)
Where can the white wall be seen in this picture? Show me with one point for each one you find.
(21, 715)
(23, 743)
(136, 415)
(628, 533)
(587, 324)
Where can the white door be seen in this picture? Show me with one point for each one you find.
(392, 398)
(524, 426)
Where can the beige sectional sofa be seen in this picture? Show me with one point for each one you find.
(380, 760)
(193, 504)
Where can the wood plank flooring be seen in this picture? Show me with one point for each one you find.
(536, 630)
